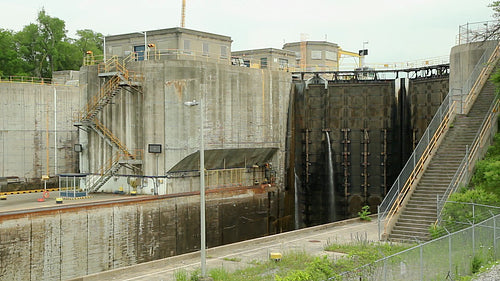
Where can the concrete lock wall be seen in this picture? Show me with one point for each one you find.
(30, 118)
(64, 244)
(372, 126)
(244, 108)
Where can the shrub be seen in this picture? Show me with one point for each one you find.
(364, 214)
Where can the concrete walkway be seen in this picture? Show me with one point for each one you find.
(240, 255)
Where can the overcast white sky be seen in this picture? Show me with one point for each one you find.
(397, 30)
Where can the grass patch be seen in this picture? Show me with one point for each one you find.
(297, 266)
(359, 254)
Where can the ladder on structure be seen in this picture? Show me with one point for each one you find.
(116, 77)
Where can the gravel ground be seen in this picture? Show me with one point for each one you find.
(491, 275)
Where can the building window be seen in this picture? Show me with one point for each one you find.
(205, 49)
(283, 63)
(187, 46)
(139, 52)
(316, 55)
(329, 55)
(223, 52)
(263, 62)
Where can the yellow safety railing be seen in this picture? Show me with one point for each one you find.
(419, 166)
(109, 87)
(225, 177)
(113, 138)
(418, 170)
(467, 165)
(483, 77)
(137, 155)
(25, 79)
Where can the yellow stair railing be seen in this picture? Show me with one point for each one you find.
(93, 104)
(418, 170)
(483, 77)
(113, 138)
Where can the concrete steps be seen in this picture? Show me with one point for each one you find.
(420, 211)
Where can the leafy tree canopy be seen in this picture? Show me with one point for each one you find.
(43, 47)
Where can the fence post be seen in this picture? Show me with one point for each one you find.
(378, 222)
(473, 239)
(421, 262)
(494, 235)
(450, 262)
(473, 214)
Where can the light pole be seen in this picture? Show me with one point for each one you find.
(202, 190)
(145, 54)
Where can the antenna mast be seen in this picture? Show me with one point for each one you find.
(183, 13)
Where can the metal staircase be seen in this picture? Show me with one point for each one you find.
(130, 161)
(420, 210)
(116, 77)
(444, 158)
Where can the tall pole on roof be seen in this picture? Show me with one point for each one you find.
(183, 13)
(145, 46)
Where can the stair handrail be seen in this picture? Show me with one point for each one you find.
(463, 175)
(390, 206)
(113, 138)
(482, 71)
(464, 171)
(415, 166)
(110, 86)
(112, 162)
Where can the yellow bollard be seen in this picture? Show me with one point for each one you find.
(275, 256)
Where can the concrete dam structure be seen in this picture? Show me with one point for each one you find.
(280, 152)
(351, 136)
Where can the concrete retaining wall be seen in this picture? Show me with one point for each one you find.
(28, 115)
(58, 245)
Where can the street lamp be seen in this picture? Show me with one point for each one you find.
(145, 54)
(202, 190)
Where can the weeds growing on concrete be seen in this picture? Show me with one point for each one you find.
(365, 213)
(232, 259)
(302, 266)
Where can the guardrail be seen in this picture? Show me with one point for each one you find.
(481, 72)
(472, 154)
(413, 168)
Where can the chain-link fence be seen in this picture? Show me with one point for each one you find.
(455, 254)
(477, 31)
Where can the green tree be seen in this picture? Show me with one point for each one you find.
(28, 46)
(11, 62)
(42, 48)
(52, 42)
(46, 48)
(89, 41)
